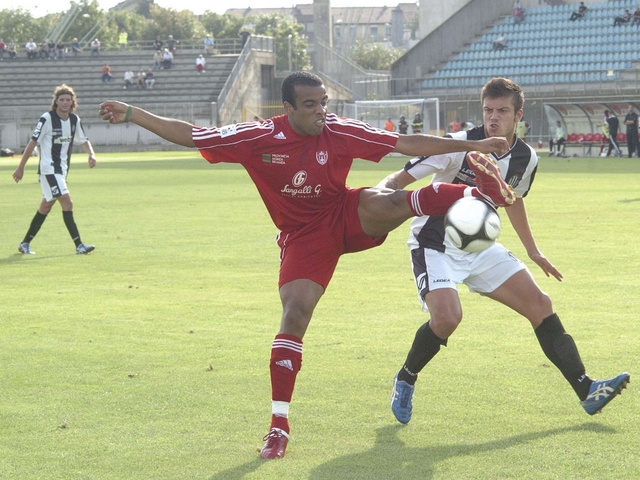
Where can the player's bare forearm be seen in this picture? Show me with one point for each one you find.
(426, 145)
(171, 129)
(396, 181)
(18, 174)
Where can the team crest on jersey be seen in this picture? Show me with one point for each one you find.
(228, 130)
(322, 157)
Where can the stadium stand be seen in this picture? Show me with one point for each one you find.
(547, 48)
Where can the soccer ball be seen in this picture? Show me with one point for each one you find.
(472, 224)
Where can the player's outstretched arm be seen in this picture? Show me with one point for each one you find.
(427, 145)
(517, 214)
(173, 130)
(396, 180)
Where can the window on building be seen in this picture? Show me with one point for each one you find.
(373, 31)
(387, 30)
(338, 31)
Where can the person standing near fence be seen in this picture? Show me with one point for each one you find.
(55, 132)
(613, 122)
(631, 121)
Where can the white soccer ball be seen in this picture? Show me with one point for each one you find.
(472, 224)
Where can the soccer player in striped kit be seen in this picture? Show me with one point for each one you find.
(55, 132)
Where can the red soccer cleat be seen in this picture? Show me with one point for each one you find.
(490, 183)
(275, 444)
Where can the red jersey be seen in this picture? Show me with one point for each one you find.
(298, 177)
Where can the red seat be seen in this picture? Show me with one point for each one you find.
(597, 137)
(573, 137)
(580, 138)
(621, 137)
(589, 137)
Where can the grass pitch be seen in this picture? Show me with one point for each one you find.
(148, 359)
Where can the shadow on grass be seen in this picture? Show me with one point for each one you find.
(629, 200)
(21, 257)
(390, 458)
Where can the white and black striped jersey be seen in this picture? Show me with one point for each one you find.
(55, 137)
(518, 167)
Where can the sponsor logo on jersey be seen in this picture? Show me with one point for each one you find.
(61, 140)
(298, 187)
(228, 130)
(38, 129)
(274, 158)
(322, 157)
(55, 191)
(280, 136)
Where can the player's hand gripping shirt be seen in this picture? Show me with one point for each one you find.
(518, 167)
(298, 177)
(55, 137)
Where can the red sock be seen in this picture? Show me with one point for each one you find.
(435, 199)
(286, 361)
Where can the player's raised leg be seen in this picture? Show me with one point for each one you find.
(489, 181)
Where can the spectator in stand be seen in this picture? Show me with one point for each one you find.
(140, 83)
(622, 19)
(158, 44)
(106, 73)
(556, 144)
(518, 12)
(172, 44)
(157, 60)
(43, 51)
(128, 79)
(499, 43)
(167, 59)
(149, 79)
(122, 39)
(522, 129)
(75, 47)
(611, 119)
(52, 48)
(389, 125)
(418, 124)
(244, 34)
(95, 48)
(12, 50)
(582, 9)
(403, 126)
(3, 47)
(636, 16)
(201, 63)
(32, 49)
(60, 50)
(631, 121)
(208, 44)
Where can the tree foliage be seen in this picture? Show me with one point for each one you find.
(150, 20)
(375, 56)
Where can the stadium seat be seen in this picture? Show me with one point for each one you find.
(621, 137)
(573, 137)
(589, 137)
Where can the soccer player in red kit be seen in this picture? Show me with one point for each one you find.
(299, 163)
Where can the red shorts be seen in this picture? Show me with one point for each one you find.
(313, 251)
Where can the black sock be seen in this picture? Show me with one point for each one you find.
(34, 228)
(560, 348)
(71, 226)
(425, 346)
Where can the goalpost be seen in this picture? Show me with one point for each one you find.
(376, 112)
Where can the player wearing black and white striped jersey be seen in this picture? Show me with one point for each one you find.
(439, 267)
(56, 132)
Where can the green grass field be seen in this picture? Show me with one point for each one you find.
(149, 358)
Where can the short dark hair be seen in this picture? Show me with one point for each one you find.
(503, 87)
(606, 112)
(306, 79)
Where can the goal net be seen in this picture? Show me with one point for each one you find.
(376, 112)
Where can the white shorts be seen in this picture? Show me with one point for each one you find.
(481, 272)
(53, 186)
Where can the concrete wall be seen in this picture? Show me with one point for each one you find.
(450, 37)
(248, 91)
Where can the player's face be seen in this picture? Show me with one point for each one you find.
(64, 103)
(500, 117)
(308, 117)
